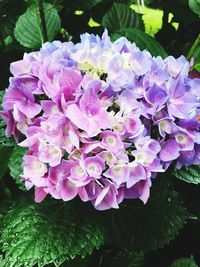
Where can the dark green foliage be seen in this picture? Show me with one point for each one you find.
(121, 16)
(55, 233)
(28, 31)
(14, 164)
(160, 219)
(184, 262)
(189, 174)
(128, 259)
(3, 139)
(1, 97)
(194, 53)
(4, 158)
(195, 6)
(46, 233)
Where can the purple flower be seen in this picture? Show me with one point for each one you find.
(59, 186)
(50, 154)
(33, 167)
(89, 115)
(94, 166)
(101, 119)
(107, 198)
(137, 173)
(111, 141)
(178, 66)
(165, 126)
(184, 140)
(128, 102)
(118, 173)
(156, 98)
(170, 150)
(11, 129)
(24, 101)
(140, 63)
(140, 190)
(181, 103)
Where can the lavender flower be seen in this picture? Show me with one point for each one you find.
(100, 119)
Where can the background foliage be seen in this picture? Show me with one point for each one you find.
(165, 232)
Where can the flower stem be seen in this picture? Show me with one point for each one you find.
(195, 44)
(44, 36)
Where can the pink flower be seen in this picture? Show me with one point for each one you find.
(89, 115)
(59, 186)
(101, 119)
(111, 141)
(33, 167)
(107, 197)
(94, 166)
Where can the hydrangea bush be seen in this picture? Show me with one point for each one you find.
(101, 119)
(99, 133)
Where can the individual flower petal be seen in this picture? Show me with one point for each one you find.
(68, 190)
(40, 194)
(170, 150)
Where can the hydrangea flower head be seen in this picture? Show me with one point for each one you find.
(101, 119)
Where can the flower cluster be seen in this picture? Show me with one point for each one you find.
(100, 119)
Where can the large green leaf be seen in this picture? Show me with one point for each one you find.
(190, 174)
(51, 232)
(121, 16)
(195, 6)
(128, 258)
(14, 164)
(28, 30)
(150, 226)
(184, 262)
(142, 40)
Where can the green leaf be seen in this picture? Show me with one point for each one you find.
(27, 29)
(184, 262)
(4, 157)
(121, 16)
(1, 96)
(195, 6)
(129, 259)
(190, 174)
(4, 141)
(14, 164)
(142, 40)
(150, 226)
(46, 233)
